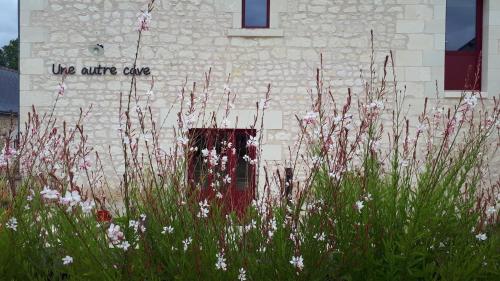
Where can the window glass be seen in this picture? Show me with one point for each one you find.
(255, 13)
(230, 144)
(242, 169)
(199, 165)
(461, 25)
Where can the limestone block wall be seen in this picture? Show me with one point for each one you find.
(189, 36)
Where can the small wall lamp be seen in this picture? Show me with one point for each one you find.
(96, 50)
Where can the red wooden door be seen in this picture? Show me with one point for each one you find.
(218, 169)
(464, 36)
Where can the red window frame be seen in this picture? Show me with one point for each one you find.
(234, 198)
(268, 16)
(460, 67)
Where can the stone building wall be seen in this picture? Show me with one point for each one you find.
(189, 36)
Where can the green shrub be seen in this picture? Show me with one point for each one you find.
(419, 209)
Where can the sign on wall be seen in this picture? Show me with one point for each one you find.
(99, 70)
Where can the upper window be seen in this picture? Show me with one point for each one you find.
(464, 22)
(255, 14)
(461, 25)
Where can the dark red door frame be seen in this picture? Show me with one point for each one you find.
(268, 16)
(234, 199)
(461, 66)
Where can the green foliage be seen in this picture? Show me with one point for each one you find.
(399, 234)
(9, 55)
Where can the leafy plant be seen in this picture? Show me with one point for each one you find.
(410, 203)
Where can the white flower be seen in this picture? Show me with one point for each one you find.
(224, 159)
(359, 205)
(149, 93)
(6, 154)
(61, 88)
(368, 197)
(227, 179)
(182, 140)
(205, 152)
(316, 160)
(49, 194)
(191, 119)
(297, 262)
(221, 262)
(146, 137)
(481, 236)
(249, 160)
(310, 117)
(375, 144)
(337, 120)
(250, 226)
(85, 164)
(203, 213)
(470, 100)
(87, 206)
(9, 151)
(226, 123)
(137, 225)
(12, 224)
(186, 242)
(252, 141)
(167, 229)
(3, 161)
(133, 224)
(71, 198)
(319, 237)
(124, 245)
(214, 158)
(114, 234)
(376, 105)
(143, 21)
(67, 260)
(421, 127)
(243, 275)
(491, 210)
(334, 175)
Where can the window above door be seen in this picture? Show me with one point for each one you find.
(255, 18)
(255, 14)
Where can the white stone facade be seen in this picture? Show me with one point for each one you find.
(189, 36)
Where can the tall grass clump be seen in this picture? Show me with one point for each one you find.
(377, 195)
